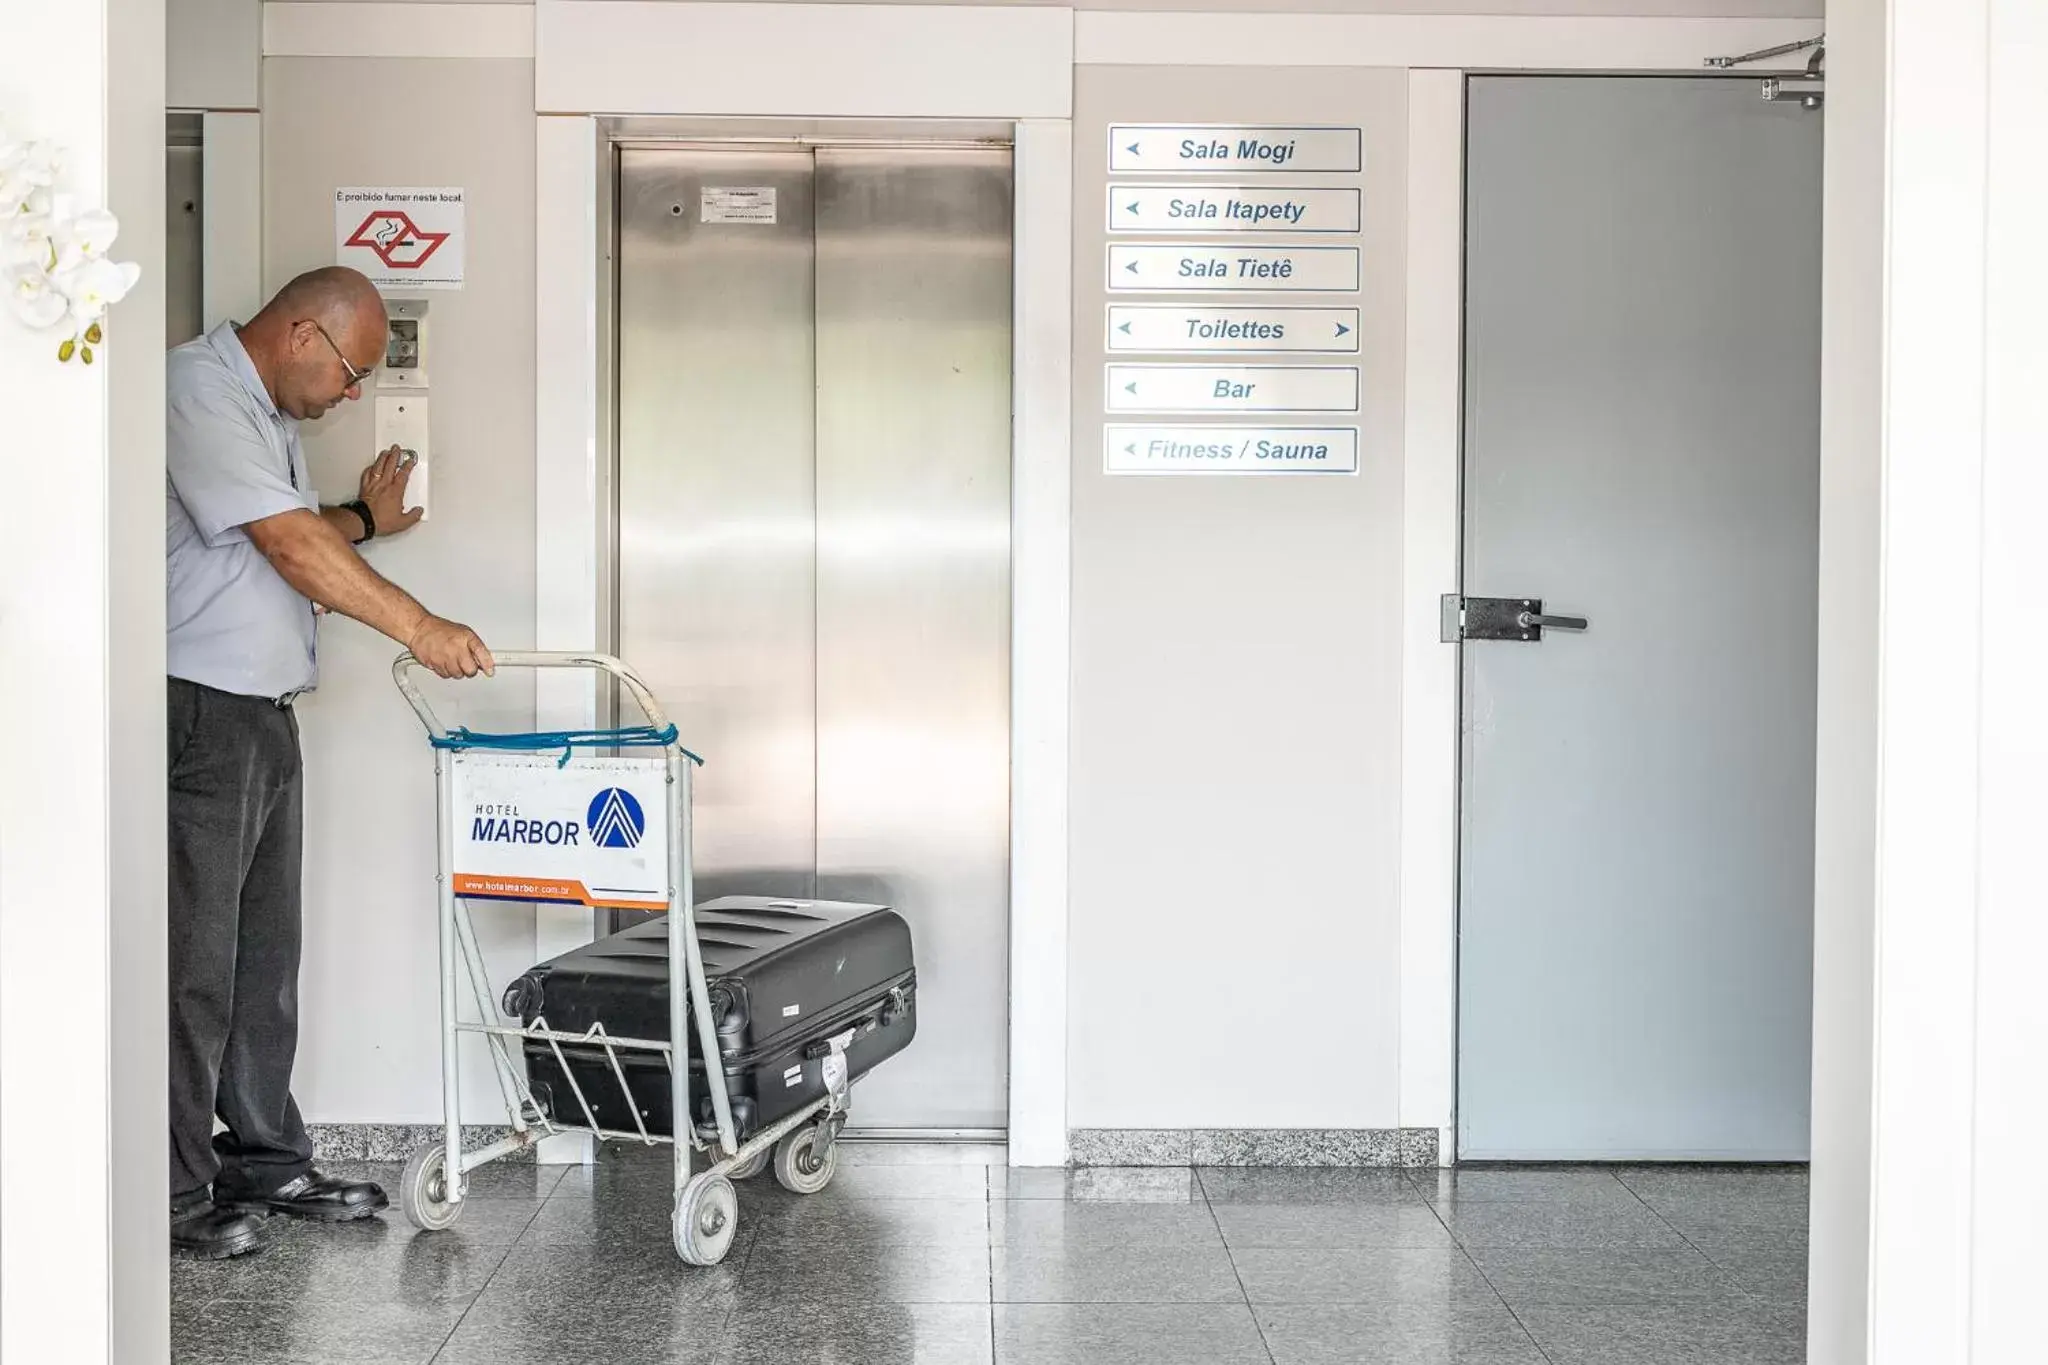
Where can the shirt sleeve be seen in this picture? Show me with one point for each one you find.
(222, 467)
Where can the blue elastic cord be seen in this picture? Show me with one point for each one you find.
(568, 741)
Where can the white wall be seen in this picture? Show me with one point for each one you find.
(213, 53)
(82, 789)
(1236, 686)
(370, 981)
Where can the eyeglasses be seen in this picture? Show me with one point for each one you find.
(355, 376)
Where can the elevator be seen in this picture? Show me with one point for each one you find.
(812, 548)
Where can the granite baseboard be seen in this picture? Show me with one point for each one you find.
(1392, 1148)
(395, 1141)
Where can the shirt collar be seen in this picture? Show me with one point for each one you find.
(228, 345)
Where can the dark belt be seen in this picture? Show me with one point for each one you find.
(282, 703)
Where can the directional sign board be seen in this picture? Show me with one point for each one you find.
(1233, 269)
(1232, 147)
(1229, 450)
(1232, 208)
(1231, 388)
(1192, 327)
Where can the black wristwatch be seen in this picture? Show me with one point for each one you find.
(362, 511)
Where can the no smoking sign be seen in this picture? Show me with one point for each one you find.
(403, 239)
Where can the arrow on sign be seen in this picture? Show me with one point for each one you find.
(1131, 449)
(1132, 388)
(1132, 267)
(1130, 208)
(1132, 149)
(1125, 329)
(1342, 330)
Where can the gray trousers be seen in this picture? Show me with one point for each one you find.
(235, 837)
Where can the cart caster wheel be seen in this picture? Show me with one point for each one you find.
(423, 1191)
(806, 1159)
(707, 1216)
(752, 1166)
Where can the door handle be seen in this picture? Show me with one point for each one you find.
(1536, 620)
(1520, 620)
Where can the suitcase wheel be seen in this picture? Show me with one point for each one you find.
(751, 1166)
(707, 1215)
(423, 1191)
(806, 1158)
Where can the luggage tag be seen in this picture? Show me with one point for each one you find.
(833, 1070)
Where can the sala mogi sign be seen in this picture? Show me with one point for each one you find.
(595, 832)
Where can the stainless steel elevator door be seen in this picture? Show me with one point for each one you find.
(913, 596)
(814, 551)
(717, 505)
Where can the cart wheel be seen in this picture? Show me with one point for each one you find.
(423, 1191)
(752, 1166)
(707, 1216)
(806, 1159)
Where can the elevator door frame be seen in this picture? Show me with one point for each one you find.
(627, 135)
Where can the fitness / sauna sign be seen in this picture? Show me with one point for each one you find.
(592, 832)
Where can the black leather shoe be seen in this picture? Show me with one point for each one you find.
(325, 1199)
(206, 1232)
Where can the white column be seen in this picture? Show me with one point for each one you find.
(569, 485)
(1429, 568)
(1040, 490)
(1960, 1019)
(83, 1172)
(231, 218)
(2007, 1258)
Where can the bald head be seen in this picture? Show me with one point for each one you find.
(315, 340)
(334, 295)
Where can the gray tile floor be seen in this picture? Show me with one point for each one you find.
(932, 1257)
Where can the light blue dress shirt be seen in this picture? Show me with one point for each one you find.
(232, 458)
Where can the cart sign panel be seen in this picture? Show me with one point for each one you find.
(592, 832)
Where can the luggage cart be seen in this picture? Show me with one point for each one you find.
(802, 1145)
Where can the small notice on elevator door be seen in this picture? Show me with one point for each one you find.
(726, 204)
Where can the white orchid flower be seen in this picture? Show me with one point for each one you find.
(53, 263)
(13, 151)
(39, 165)
(94, 232)
(94, 286)
(35, 168)
(32, 236)
(35, 302)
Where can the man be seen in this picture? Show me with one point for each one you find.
(251, 552)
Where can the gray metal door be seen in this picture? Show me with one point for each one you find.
(813, 563)
(1642, 371)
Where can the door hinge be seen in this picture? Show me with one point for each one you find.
(1515, 619)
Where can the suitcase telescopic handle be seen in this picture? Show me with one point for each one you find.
(404, 664)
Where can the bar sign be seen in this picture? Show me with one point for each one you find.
(1231, 388)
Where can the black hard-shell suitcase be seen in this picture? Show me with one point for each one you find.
(784, 977)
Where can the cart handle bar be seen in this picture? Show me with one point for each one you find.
(402, 666)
